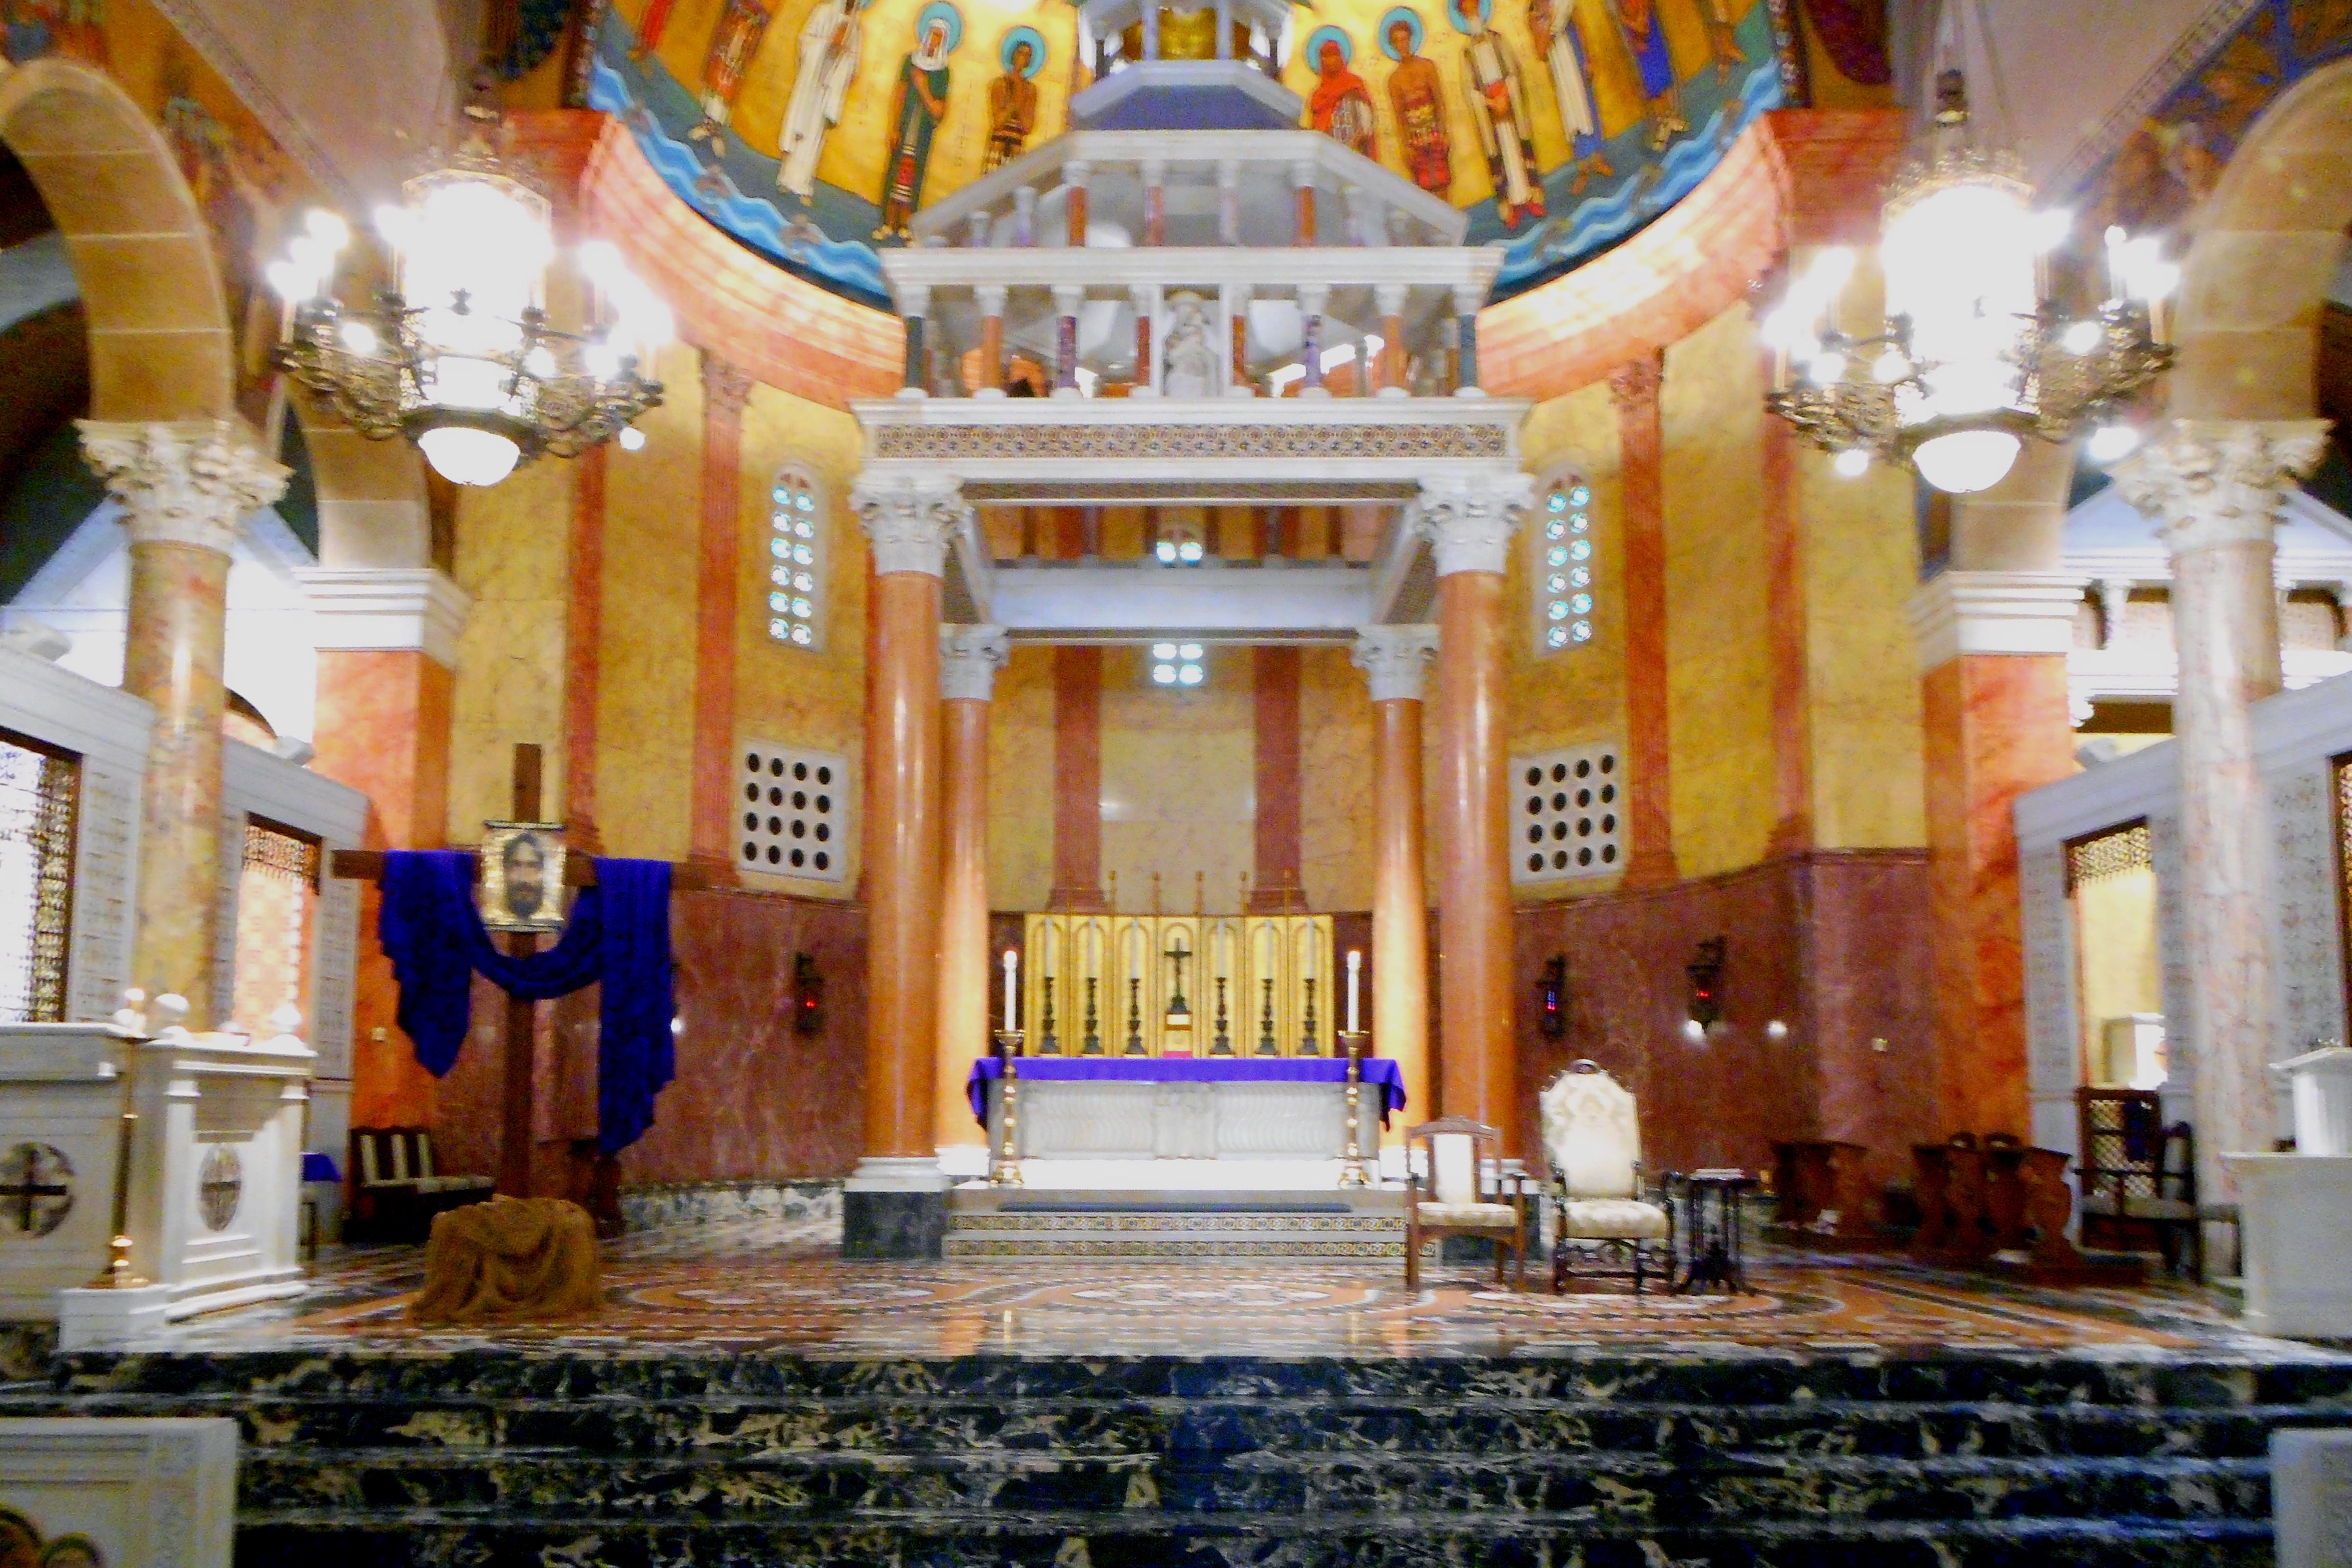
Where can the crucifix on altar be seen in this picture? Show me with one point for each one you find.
(513, 878)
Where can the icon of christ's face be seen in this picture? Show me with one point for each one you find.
(526, 872)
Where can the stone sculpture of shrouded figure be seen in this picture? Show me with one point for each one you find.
(1188, 368)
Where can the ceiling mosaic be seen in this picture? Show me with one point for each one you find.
(809, 128)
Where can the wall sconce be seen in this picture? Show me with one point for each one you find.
(1705, 972)
(1551, 997)
(808, 996)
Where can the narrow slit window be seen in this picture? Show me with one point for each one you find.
(1564, 566)
(795, 560)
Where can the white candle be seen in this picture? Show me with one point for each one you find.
(1012, 989)
(1355, 966)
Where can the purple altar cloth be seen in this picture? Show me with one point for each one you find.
(1379, 1072)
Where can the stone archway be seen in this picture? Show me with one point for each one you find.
(159, 341)
(2267, 243)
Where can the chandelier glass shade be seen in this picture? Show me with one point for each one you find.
(459, 355)
(1973, 355)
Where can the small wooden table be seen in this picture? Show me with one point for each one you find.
(1712, 1204)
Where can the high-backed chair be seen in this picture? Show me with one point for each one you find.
(2139, 1177)
(1452, 1150)
(1593, 1140)
(396, 1191)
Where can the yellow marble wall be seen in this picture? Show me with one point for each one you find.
(513, 546)
(1178, 780)
(795, 696)
(2115, 940)
(1020, 782)
(1335, 734)
(1575, 694)
(644, 701)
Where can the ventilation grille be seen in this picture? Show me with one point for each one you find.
(1567, 814)
(791, 812)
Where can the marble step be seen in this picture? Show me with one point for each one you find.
(1161, 1230)
(1608, 1490)
(740, 1426)
(931, 1539)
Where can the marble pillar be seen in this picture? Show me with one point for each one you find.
(584, 645)
(970, 657)
(1469, 523)
(1785, 624)
(717, 590)
(1649, 783)
(1077, 780)
(895, 1203)
(1992, 655)
(184, 488)
(2214, 489)
(1396, 660)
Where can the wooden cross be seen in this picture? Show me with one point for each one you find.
(516, 1107)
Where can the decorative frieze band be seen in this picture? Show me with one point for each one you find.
(964, 443)
(1994, 613)
(398, 608)
(180, 483)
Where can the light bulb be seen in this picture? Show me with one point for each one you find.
(1851, 463)
(359, 337)
(1163, 674)
(1190, 650)
(1828, 366)
(2081, 337)
(1693, 1031)
(632, 438)
(1189, 552)
(2049, 229)
(464, 456)
(1890, 366)
(1166, 551)
(1190, 675)
(329, 227)
(1164, 650)
(289, 282)
(539, 362)
(2109, 442)
(1966, 461)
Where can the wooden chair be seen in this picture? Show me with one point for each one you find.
(2138, 1178)
(1593, 1140)
(1454, 1150)
(396, 1191)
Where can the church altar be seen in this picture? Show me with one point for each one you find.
(1177, 1124)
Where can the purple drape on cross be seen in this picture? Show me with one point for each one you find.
(1379, 1073)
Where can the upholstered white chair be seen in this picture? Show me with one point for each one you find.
(1592, 1140)
(1450, 1151)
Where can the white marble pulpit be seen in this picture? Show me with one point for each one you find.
(60, 1137)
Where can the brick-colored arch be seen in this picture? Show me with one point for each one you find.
(2266, 245)
(159, 338)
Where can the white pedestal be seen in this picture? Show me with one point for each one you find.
(92, 1320)
(60, 1132)
(2295, 1214)
(2322, 1081)
(158, 1492)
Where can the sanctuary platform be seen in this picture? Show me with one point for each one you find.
(749, 1397)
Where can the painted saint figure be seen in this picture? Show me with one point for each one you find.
(1645, 40)
(1012, 103)
(1417, 94)
(1498, 104)
(828, 59)
(733, 42)
(650, 28)
(917, 106)
(1341, 106)
(1554, 22)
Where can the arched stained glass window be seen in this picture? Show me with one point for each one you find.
(1563, 565)
(795, 559)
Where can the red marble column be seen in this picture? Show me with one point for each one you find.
(2215, 487)
(717, 590)
(1396, 659)
(1275, 884)
(1785, 611)
(184, 488)
(583, 636)
(1649, 783)
(970, 657)
(1077, 780)
(1470, 523)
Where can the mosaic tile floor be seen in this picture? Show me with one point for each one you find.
(765, 1285)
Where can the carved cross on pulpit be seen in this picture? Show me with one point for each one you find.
(518, 1099)
(34, 1189)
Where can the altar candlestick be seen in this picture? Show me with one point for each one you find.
(1355, 970)
(1012, 989)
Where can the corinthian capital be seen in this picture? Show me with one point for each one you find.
(2209, 482)
(180, 483)
(970, 657)
(725, 388)
(1395, 659)
(1469, 520)
(910, 523)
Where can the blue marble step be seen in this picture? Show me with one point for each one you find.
(1608, 1488)
(1256, 1541)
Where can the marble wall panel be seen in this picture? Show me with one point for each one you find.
(1334, 721)
(1020, 782)
(510, 556)
(2310, 960)
(1178, 771)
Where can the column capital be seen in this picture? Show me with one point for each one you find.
(1395, 659)
(1635, 383)
(990, 297)
(970, 657)
(180, 483)
(914, 298)
(1388, 298)
(2210, 482)
(725, 388)
(1469, 520)
(1956, 613)
(910, 523)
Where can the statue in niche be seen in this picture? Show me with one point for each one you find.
(1498, 106)
(1554, 23)
(1189, 367)
(828, 59)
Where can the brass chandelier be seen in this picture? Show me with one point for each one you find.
(459, 355)
(1974, 353)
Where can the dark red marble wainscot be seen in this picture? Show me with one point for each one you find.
(1832, 943)
(752, 1100)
